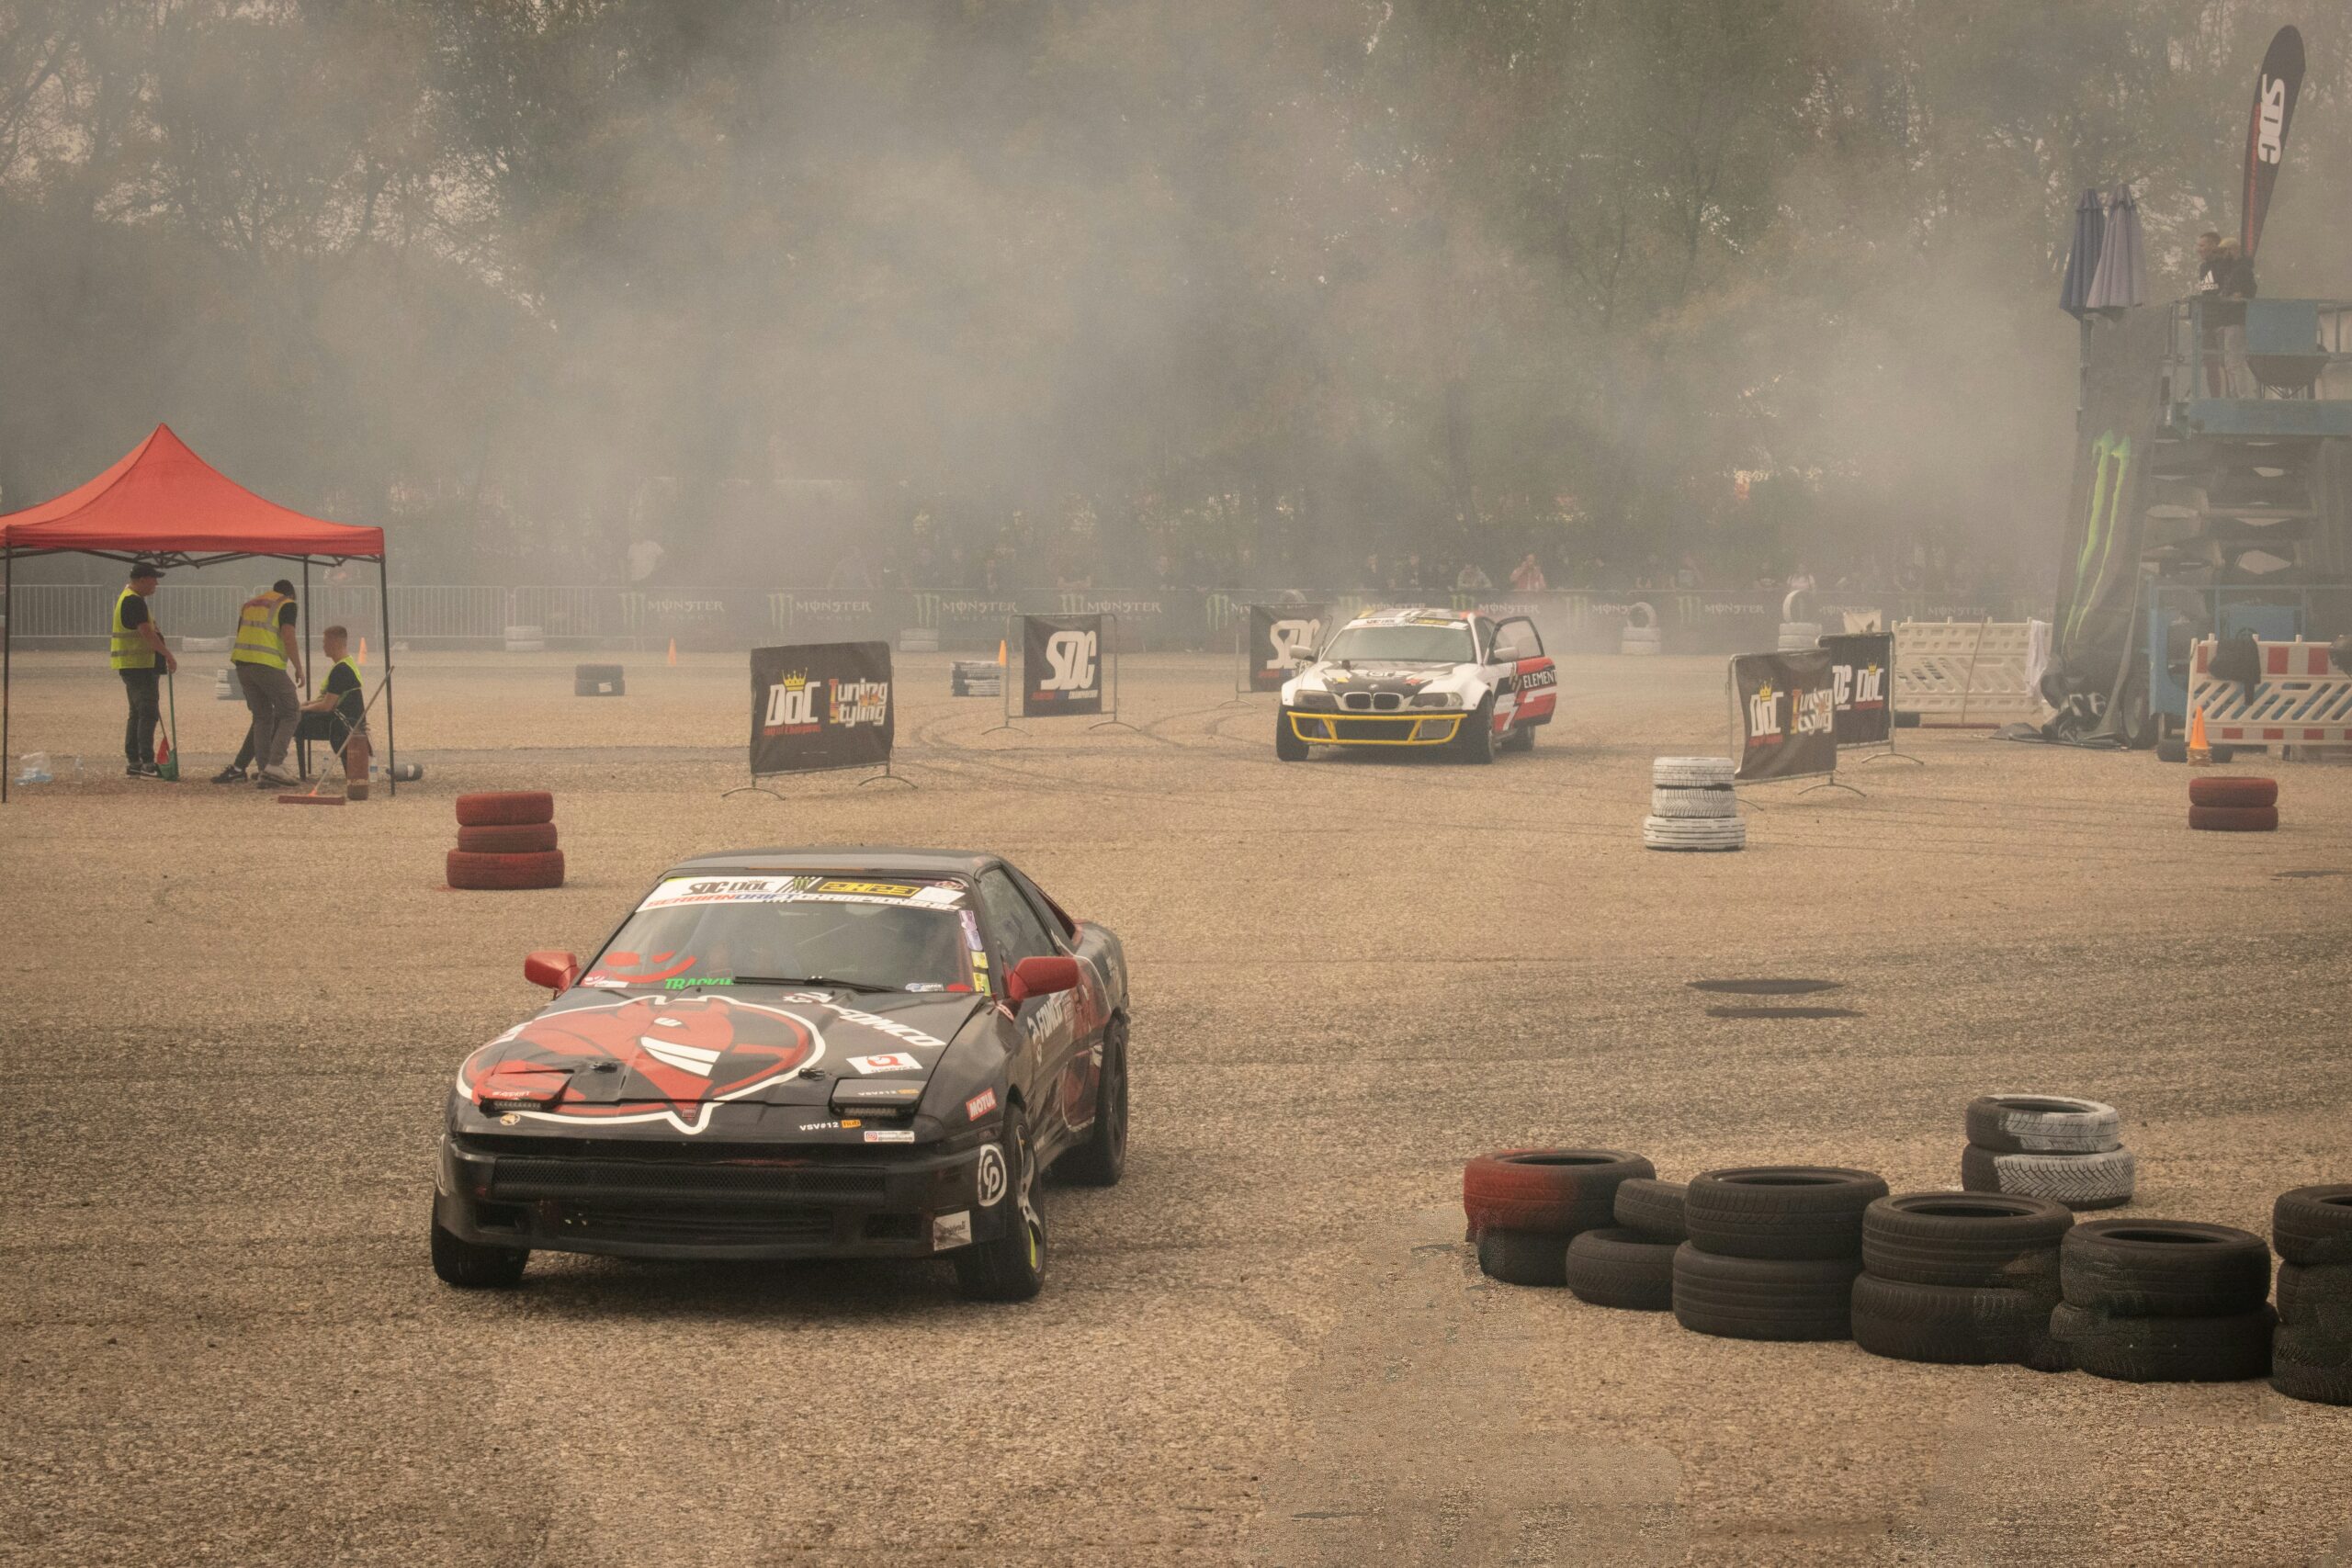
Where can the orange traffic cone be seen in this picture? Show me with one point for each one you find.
(362, 659)
(1000, 653)
(2200, 752)
(673, 653)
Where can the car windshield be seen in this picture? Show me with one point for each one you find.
(1448, 644)
(882, 936)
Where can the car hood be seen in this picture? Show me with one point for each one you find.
(1404, 679)
(596, 1059)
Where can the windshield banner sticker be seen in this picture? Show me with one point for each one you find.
(677, 891)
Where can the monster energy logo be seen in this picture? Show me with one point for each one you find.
(2111, 462)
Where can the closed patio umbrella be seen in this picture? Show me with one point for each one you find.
(2122, 279)
(2082, 262)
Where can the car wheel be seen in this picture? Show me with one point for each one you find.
(1010, 1268)
(2134, 722)
(1476, 739)
(1520, 739)
(475, 1266)
(1100, 1161)
(1288, 747)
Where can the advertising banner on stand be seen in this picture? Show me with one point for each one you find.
(1061, 665)
(1280, 636)
(2275, 92)
(1861, 674)
(822, 705)
(1783, 716)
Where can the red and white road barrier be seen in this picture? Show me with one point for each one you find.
(2301, 699)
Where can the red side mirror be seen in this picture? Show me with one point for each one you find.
(1040, 977)
(556, 971)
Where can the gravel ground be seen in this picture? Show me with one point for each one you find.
(230, 1025)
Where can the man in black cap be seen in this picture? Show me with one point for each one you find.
(136, 650)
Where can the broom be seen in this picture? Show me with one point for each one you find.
(313, 797)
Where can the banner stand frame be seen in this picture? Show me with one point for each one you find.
(1241, 688)
(1738, 735)
(1004, 679)
(1110, 719)
(1894, 714)
(887, 775)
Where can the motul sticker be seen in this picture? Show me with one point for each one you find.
(889, 1062)
(980, 1104)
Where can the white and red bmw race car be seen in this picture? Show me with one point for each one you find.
(1421, 677)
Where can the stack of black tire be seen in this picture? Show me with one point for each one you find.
(2048, 1146)
(1524, 1206)
(2163, 1301)
(1631, 1264)
(1773, 1251)
(2312, 1228)
(1962, 1277)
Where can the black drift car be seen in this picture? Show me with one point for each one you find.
(868, 1053)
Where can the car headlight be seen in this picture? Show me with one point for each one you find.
(1437, 699)
(1316, 702)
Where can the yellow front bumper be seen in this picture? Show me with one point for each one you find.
(1375, 730)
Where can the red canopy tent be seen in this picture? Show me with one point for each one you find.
(165, 504)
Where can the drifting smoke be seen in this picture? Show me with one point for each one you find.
(1220, 291)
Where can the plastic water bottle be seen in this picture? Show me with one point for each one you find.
(36, 769)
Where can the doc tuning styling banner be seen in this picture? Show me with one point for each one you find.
(820, 705)
(1280, 637)
(1061, 665)
(1861, 676)
(1784, 715)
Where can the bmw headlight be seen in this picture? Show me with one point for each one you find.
(1316, 702)
(1437, 699)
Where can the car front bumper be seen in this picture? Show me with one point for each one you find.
(1428, 728)
(772, 1203)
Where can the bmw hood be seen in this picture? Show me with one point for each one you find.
(761, 1061)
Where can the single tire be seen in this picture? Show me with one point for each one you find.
(1623, 1268)
(2321, 1294)
(2043, 1124)
(2209, 790)
(1689, 834)
(2320, 1386)
(2313, 1344)
(1780, 1212)
(2165, 1350)
(1521, 739)
(1956, 1325)
(1651, 1209)
(480, 872)
(1288, 747)
(1715, 800)
(2172, 749)
(2312, 1225)
(1557, 1191)
(1691, 773)
(1474, 740)
(474, 1266)
(1523, 1257)
(1764, 1298)
(503, 808)
(2138, 728)
(2163, 1268)
(2234, 818)
(1102, 1158)
(1010, 1268)
(523, 839)
(2102, 1180)
(1965, 1240)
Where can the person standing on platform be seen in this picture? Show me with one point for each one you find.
(268, 659)
(136, 650)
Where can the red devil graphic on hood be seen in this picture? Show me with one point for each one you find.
(679, 1057)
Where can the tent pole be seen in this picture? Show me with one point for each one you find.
(384, 620)
(8, 655)
(310, 624)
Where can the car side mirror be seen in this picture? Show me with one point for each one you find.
(556, 971)
(1040, 977)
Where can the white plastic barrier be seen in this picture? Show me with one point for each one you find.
(1965, 673)
(2301, 699)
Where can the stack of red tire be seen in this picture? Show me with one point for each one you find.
(2223, 804)
(506, 840)
(1525, 1205)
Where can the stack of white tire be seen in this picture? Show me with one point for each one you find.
(1642, 634)
(2048, 1146)
(1692, 805)
(526, 639)
(1800, 636)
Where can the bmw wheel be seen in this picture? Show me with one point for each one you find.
(1099, 1161)
(1476, 739)
(1010, 1268)
(1288, 747)
(1522, 739)
(473, 1266)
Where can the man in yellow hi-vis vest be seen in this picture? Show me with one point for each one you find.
(136, 650)
(267, 657)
